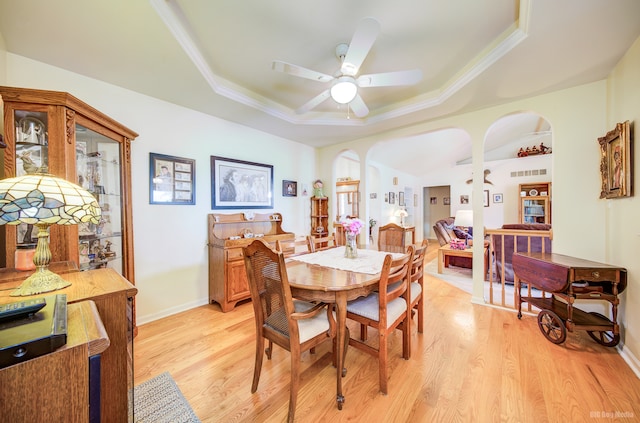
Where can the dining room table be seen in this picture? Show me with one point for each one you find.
(329, 277)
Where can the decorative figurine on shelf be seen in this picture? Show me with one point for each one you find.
(107, 250)
(317, 189)
(352, 228)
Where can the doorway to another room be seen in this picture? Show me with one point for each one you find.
(437, 205)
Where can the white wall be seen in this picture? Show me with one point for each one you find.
(171, 259)
(621, 223)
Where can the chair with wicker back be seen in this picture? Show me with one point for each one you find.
(294, 325)
(391, 238)
(385, 310)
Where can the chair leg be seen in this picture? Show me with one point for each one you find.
(420, 316)
(269, 350)
(257, 367)
(382, 360)
(363, 332)
(406, 335)
(295, 383)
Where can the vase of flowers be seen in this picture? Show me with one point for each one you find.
(352, 228)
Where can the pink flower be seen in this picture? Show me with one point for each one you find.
(352, 226)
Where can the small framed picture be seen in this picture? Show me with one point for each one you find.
(386, 197)
(392, 197)
(497, 198)
(373, 195)
(171, 180)
(289, 188)
(464, 199)
(486, 198)
(446, 201)
(401, 199)
(433, 200)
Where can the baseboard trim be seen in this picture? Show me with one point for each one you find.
(141, 320)
(629, 358)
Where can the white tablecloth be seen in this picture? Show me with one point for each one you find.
(368, 261)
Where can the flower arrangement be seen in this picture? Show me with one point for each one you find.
(372, 223)
(352, 226)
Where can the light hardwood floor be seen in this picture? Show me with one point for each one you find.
(471, 364)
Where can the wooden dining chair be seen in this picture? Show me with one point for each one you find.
(292, 247)
(385, 310)
(416, 290)
(391, 238)
(294, 325)
(319, 243)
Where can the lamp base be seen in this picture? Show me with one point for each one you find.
(43, 280)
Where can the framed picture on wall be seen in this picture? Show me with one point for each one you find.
(401, 199)
(616, 162)
(289, 188)
(446, 201)
(497, 198)
(237, 184)
(392, 197)
(486, 198)
(464, 199)
(172, 180)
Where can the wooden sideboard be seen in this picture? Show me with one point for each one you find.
(113, 296)
(228, 234)
(55, 387)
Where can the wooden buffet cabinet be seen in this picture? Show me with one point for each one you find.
(113, 297)
(228, 234)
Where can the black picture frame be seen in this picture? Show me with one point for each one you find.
(255, 178)
(401, 198)
(172, 180)
(486, 198)
(289, 188)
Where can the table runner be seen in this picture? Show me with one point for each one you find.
(368, 261)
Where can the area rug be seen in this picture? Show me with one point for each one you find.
(159, 400)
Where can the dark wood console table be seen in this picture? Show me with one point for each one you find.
(568, 279)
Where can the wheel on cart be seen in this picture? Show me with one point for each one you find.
(606, 338)
(552, 326)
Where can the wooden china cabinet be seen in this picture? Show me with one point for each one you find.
(55, 132)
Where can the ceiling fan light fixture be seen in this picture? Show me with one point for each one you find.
(344, 90)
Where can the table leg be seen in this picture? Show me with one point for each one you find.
(341, 317)
(440, 260)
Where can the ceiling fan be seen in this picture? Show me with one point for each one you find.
(345, 83)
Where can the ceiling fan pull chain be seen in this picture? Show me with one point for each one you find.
(348, 117)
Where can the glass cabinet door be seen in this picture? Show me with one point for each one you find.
(32, 155)
(98, 169)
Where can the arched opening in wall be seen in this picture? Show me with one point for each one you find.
(517, 157)
(517, 187)
(347, 197)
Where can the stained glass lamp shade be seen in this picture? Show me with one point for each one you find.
(44, 200)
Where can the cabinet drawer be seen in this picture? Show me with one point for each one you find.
(234, 254)
(596, 275)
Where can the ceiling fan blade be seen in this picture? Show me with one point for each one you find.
(388, 79)
(314, 102)
(359, 108)
(364, 37)
(296, 70)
